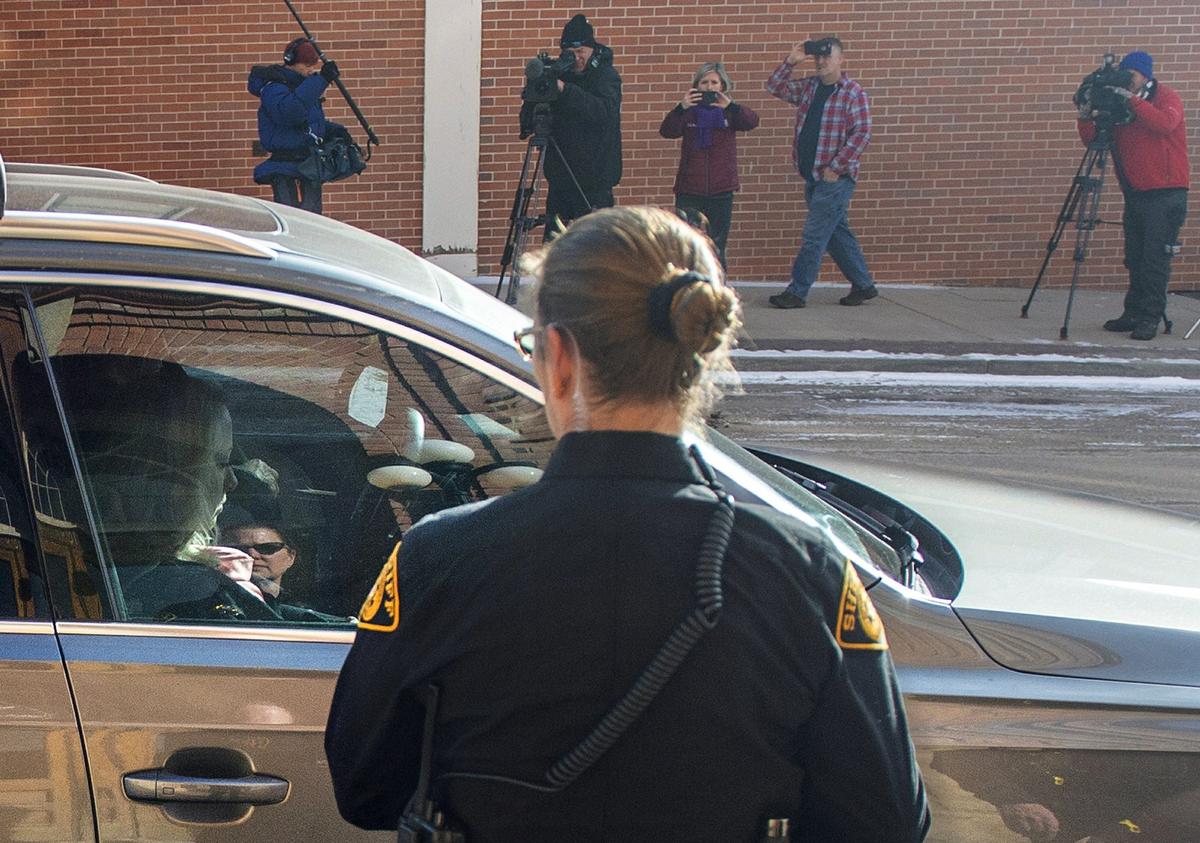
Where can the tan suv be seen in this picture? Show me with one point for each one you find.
(218, 415)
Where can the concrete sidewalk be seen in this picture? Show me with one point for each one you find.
(949, 320)
(957, 318)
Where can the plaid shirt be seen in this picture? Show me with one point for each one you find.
(845, 122)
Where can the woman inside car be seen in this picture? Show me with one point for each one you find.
(154, 444)
(622, 652)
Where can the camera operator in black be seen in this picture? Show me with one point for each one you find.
(535, 612)
(1150, 154)
(587, 127)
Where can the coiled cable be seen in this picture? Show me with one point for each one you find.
(654, 677)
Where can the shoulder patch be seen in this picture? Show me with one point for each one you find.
(381, 610)
(858, 624)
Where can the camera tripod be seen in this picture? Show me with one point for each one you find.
(1082, 205)
(520, 222)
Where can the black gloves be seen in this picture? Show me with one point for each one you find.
(329, 71)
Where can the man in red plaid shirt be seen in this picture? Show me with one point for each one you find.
(833, 127)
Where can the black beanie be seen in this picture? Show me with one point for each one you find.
(578, 33)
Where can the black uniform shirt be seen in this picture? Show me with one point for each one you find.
(535, 612)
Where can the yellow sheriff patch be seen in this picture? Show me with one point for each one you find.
(858, 624)
(381, 610)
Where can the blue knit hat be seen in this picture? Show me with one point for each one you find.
(1139, 61)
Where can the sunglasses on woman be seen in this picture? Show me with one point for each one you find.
(262, 548)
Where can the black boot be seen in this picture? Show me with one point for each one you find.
(1145, 331)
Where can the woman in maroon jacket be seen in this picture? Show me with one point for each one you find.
(708, 119)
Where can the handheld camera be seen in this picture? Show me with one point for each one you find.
(820, 47)
(1110, 109)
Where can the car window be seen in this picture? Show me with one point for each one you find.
(19, 578)
(249, 463)
(22, 585)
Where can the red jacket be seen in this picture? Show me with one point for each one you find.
(1151, 152)
(705, 172)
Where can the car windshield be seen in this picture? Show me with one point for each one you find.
(760, 483)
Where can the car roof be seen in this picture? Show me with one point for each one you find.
(91, 205)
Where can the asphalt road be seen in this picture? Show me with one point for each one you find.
(1086, 427)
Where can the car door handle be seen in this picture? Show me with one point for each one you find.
(164, 786)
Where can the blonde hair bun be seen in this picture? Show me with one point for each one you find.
(702, 314)
(641, 293)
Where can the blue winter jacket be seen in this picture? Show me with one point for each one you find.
(290, 117)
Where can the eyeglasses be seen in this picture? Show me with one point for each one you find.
(263, 549)
(526, 340)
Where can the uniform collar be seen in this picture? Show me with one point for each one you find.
(625, 454)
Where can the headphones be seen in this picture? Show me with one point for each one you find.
(289, 52)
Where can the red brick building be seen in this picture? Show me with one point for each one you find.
(974, 141)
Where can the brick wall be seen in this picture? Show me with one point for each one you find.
(158, 87)
(973, 153)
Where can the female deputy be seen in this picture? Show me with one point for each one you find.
(708, 120)
(535, 613)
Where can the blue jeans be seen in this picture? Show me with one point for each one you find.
(827, 228)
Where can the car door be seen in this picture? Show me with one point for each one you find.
(197, 419)
(43, 781)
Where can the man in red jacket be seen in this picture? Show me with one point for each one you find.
(1150, 154)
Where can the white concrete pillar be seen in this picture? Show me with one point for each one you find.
(450, 221)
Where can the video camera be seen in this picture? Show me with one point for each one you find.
(1108, 107)
(542, 74)
(820, 47)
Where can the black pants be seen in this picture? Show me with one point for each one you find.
(297, 192)
(710, 213)
(1152, 219)
(564, 203)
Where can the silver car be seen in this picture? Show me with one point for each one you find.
(220, 414)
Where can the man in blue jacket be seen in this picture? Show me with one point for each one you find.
(291, 121)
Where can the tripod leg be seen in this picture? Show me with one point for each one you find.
(519, 219)
(1089, 218)
(524, 225)
(1065, 215)
(1192, 330)
(514, 279)
(514, 216)
(582, 194)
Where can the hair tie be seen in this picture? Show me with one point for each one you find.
(661, 296)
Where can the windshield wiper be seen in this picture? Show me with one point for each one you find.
(904, 544)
